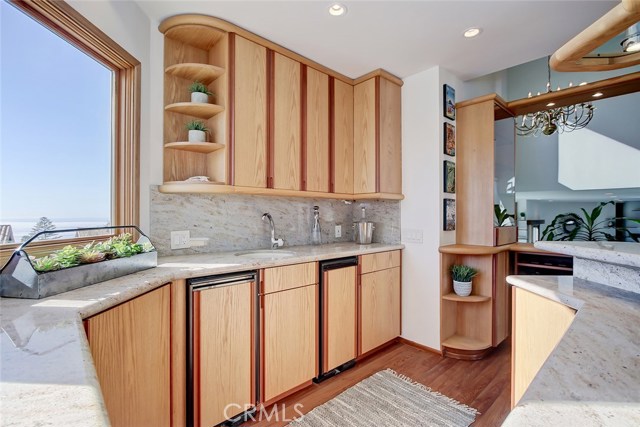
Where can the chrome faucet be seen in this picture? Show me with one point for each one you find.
(275, 243)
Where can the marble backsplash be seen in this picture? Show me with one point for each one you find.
(233, 222)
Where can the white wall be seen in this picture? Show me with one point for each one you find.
(128, 26)
(421, 210)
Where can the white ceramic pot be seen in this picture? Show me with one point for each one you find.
(199, 97)
(197, 136)
(462, 289)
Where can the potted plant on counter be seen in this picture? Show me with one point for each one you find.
(199, 93)
(197, 131)
(462, 275)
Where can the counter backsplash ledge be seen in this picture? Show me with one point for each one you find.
(233, 222)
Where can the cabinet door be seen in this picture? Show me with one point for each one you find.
(317, 127)
(342, 137)
(380, 308)
(130, 348)
(340, 317)
(249, 103)
(287, 118)
(289, 340)
(364, 137)
(390, 154)
(223, 352)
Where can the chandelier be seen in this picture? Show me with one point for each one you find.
(561, 119)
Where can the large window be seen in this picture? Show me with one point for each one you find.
(69, 109)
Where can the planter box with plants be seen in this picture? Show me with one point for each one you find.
(74, 267)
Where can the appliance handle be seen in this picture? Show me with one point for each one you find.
(206, 283)
(338, 263)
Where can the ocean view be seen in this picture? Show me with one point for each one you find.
(23, 227)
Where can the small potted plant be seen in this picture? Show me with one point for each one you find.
(199, 92)
(462, 275)
(197, 131)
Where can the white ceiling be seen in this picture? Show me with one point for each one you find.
(405, 37)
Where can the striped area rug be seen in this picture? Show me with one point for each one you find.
(391, 400)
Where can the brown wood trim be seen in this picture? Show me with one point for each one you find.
(332, 136)
(262, 350)
(303, 127)
(325, 322)
(614, 86)
(419, 346)
(271, 117)
(378, 73)
(480, 99)
(455, 353)
(377, 349)
(400, 301)
(494, 281)
(377, 132)
(359, 306)
(281, 396)
(513, 348)
(196, 358)
(231, 155)
(254, 392)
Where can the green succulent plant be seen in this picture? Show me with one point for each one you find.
(46, 263)
(69, 256)
(199, 87)
(196, 125)
(462, 273)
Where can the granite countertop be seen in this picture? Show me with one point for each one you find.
(592, 377)
(47, 376)
(621, 253)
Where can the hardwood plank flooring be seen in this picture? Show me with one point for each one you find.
(483, 384)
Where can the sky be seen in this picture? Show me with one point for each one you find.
(55, 125)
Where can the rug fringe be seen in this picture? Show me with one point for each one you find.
(466, 408)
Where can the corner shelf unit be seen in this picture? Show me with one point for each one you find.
(195, 53)
(471, 326)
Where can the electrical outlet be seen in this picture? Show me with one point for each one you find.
(180, 239)
(338, 231)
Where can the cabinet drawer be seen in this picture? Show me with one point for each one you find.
(379, 261)
(289, 276)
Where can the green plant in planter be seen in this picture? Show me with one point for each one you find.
(196, 125)
(501, 216)
(69, 256)
(46, 263)
(199, 87)
(462, 273)
(571, 226)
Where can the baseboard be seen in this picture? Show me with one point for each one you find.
(420, 346)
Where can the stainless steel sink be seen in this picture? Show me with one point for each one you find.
(265, 254)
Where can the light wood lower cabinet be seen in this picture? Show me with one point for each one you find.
(130, 348)
(379, 308)
(538, 326)
(223, 352)
(288, 340)
(340, 317)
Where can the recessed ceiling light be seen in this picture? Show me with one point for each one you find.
(583, 83)
(597, 94)
(472, 32)
(337, 9)
(551, 104)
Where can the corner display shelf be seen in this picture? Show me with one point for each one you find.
(196, 109)
(204, 73)
(471, 326)
(195, 147)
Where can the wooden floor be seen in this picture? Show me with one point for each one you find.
(484, 384)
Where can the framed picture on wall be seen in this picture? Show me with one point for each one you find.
(449, 106)
(449, 177)
(449, 214)
(449, 139)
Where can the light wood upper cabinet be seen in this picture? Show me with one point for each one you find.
(250, 113)
(342, 137)
(223, 352)
(286, 99)
(377, 137)
(317, 131)
(130, 348)
(289, 340)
